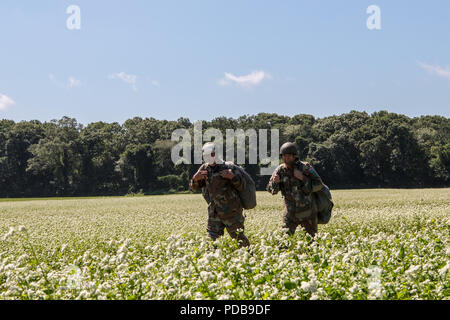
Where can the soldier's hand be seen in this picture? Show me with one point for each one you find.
(200, 175)
(276, 179)
(298, 174)
(227, 174)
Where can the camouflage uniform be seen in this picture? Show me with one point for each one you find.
(299, 205)
(224, 205)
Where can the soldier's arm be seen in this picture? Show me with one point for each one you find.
(273, 187)
(197, 185)
(315, 182)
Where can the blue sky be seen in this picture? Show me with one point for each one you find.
(204, 59)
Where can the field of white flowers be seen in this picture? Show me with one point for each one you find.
(379, 244)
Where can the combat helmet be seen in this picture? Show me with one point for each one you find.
(289, 148)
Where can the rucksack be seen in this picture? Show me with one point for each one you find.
(248, 193)
(324, 202)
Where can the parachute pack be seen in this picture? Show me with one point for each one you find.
(248, 193)
(324, 204)
(323, 200)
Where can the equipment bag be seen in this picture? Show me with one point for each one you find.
(324, 204)
(248, 193)
(323, 200)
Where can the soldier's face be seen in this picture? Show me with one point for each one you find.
(289, 159)
(210, 159)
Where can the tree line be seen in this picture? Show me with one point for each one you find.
(352, 150)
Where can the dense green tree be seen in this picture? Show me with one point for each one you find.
(375, 161)
(440, 162)
(7, 172)
(102, 144)
(61, 157)
(136, 165)
(57, 158)
(338, 160)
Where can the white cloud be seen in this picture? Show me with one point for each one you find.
(155, 83)
(74, 82)
(252, 79)
(436, 70)
(127, 78)
(52, 78)
(5, 101)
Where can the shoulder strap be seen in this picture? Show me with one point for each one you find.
(229, 164)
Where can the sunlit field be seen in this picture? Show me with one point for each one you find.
(379, 244)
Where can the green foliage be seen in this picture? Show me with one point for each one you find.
(136, 166)
(61, 157)
(171, 181)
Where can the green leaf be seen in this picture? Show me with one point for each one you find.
(290, 285)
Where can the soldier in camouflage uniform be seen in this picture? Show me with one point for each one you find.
(220, 185)
(296, 187)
